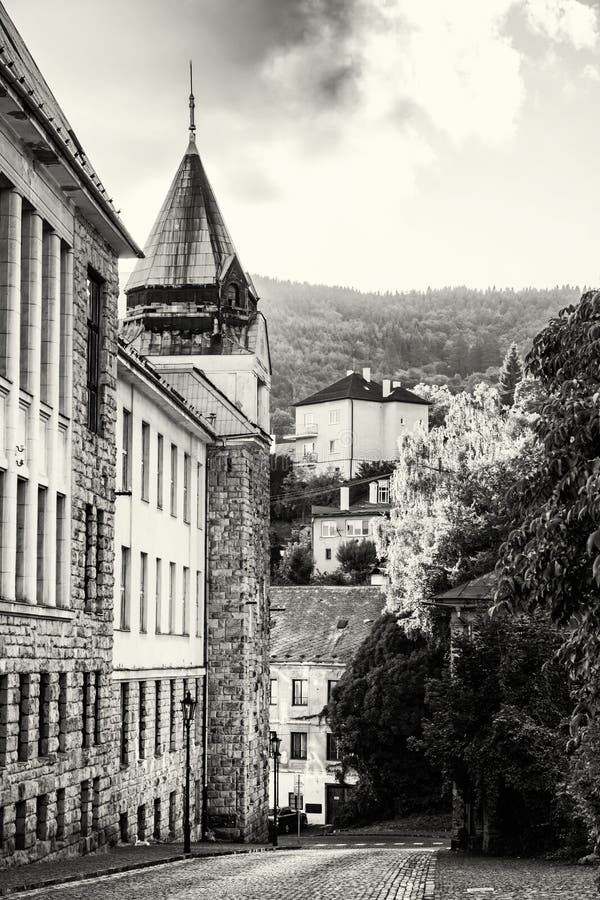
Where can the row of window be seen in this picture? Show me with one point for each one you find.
(310, 421)
(299, 741)
(40, 708)
(299, 691)
(353, 528)
(126, 480)
(147, 710)
(50, 816)
(173, 619)
(25, 508)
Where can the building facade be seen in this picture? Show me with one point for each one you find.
(192, 313)
(316, 632)
(363, 503)
(353, 421)
(60, 240)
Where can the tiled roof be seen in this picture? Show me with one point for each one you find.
(221, 414)
(306, 624)
(482, 588)
(363, 508)
(189, 243)
(355, 387)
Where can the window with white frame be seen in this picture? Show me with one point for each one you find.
(298, 745)
(328, 529)
(309, 448)
(334, 416)
(333, 446)
(309, 419)
(274, 692)
(357, 527)
(383, 492)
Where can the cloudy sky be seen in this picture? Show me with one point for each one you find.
(385, 144)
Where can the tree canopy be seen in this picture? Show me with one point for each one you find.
(511, 374)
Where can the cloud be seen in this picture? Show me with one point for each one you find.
(570, 21)
(592, 73)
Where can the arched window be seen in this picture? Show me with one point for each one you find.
(233, 295)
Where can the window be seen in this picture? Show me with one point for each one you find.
(60, 814)
(330, 687)
(298, 745)
(333, 752)
(141, 822)
(172, 589)
(187, 477)
(199, 616)
(328, 553)
(233, 294)
(61, 598)
(85, 808)
(20, 824)
(274, 692)
(173, 480)
(97, 696)
(309, 419)
(41, 817)
(94, 313)
(333, 446)
(156, 829)
(295, 801)
(357, 527)
(334, 416)
(143, 593)
(96, 803)
(172, 716)
(5, 701)
(309, 449)
(125, 588)
(199, 496)
(124, 735)
(62, 712)
(41, 545)
(20, 559)
(383, 492)
(159, 470)
(172, 812)
(142, 721)
(44, 714)
(126, 451)
(85, 708)
(185, 624)
(90, 544)
(157, 719)
(158, 597)
(299, 692)
(145, 461)
(328, 529)
(23, 733)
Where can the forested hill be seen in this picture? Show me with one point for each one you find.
(441, 336)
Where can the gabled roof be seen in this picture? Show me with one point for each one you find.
(308, 622)
(355, 387)
(482, 588)
(189, 243)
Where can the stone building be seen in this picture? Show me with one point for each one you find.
(60, 238)
(192, 313)
(316, 632)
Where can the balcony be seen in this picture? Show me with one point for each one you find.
(305, 432)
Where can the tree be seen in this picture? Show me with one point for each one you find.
(370, 468)
(551, 559)
(448, 501)
(296, 564)
(496, 727)
(356, 559)
(375, 708)
(510, 376)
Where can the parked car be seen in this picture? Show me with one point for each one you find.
(287, 820)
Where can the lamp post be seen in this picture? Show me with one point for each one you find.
(188, 707)
(274, 745)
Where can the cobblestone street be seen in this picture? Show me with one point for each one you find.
(354, 871)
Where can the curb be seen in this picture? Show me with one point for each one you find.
(131, 867)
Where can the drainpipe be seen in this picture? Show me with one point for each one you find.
(351, 436)
(204, 821)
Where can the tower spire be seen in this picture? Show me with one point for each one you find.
(192, 106)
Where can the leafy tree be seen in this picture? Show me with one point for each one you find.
(510, 376)
(496, 727)
(370, 468)
(300, 490)
(449, 512)
(375, 708)
(551, 559)
(439, 397)
(357, 558)
(296, 564)
(282, 422)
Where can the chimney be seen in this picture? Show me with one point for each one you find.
(349, 371)
(396, 384)
(367, 373)
(344, 498)
(387, 387)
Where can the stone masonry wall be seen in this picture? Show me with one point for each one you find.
(238, 640)
(55, 785)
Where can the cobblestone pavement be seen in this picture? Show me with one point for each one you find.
(460, 877)
(371, 873)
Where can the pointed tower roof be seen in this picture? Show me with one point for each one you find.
(189, 243)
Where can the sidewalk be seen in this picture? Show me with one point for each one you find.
(122, 858)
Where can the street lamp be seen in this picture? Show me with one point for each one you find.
(274, 745)
(188, 707)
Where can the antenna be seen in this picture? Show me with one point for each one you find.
(192, 104)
